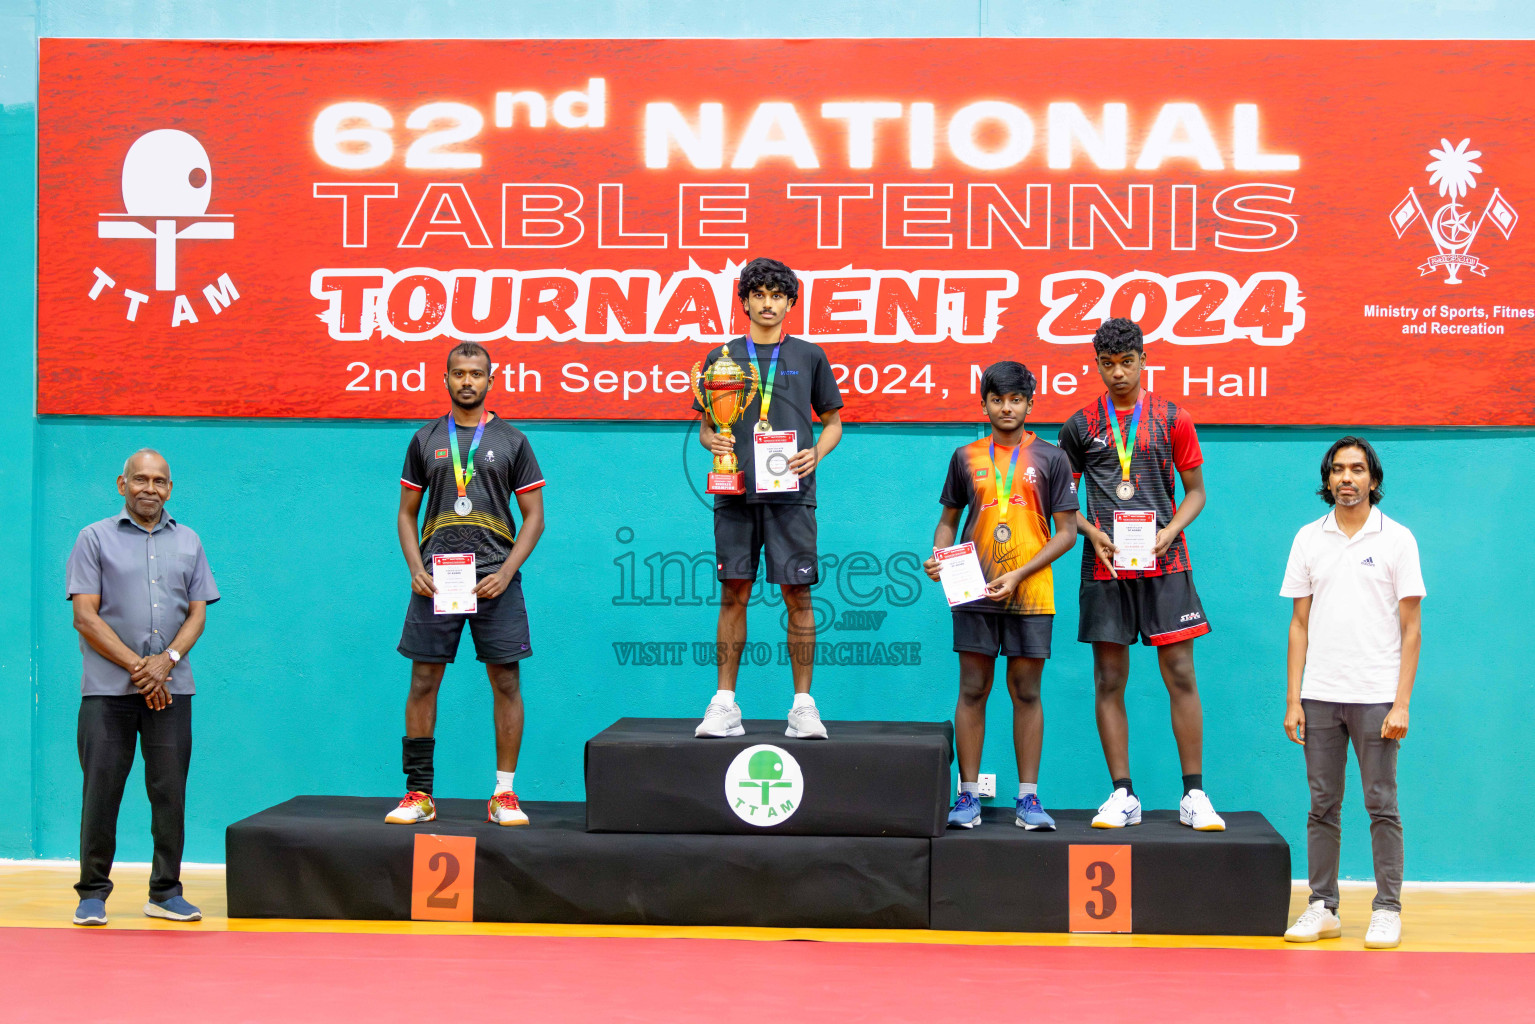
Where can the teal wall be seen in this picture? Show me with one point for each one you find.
(302, 691)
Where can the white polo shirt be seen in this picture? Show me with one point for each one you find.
(1354, 636)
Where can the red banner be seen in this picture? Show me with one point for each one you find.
(1314, 232)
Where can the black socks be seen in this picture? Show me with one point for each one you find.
(1195, 781)
(1124, 784)
(417, 758)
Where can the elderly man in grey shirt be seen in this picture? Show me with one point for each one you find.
(140, 585)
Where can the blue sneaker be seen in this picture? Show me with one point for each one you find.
(91, 912)
(175, 908)
(966, 812)
(1032, 816)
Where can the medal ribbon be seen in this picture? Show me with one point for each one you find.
(1120, 448)
(465, 473)
(767, 378)
(1004, 487)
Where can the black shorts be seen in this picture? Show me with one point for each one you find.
(994, 633)
(1160, 609)
(742, 530)
(499, 628)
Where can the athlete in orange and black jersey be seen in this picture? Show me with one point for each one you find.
(1014, 486)
(1127, 462)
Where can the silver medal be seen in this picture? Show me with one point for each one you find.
(463, 506)
(1125, 490)
(1002, 534)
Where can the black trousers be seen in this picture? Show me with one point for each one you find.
(109, 729)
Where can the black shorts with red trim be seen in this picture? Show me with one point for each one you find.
(1160, 610)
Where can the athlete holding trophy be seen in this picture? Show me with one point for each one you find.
(763, 482)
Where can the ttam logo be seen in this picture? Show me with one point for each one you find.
(167, 186)
(763, 785)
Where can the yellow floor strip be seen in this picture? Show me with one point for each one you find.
(1437, 920)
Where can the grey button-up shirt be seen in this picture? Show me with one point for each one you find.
(146, 579)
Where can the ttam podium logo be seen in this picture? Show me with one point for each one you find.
(167, 186)
(763, 785)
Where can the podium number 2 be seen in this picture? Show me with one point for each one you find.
(1100, 889)
(442, 879)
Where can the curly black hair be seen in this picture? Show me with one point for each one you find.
(1008, 378)
(1118, 336)
(1377, 472)
(770, 275)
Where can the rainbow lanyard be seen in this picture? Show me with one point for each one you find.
(1003, 486)
(1125, 452)
(767, 380)
(465, 473)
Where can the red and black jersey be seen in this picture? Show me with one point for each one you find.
(504, 467)
(1165, 444)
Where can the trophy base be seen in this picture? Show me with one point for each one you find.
(726, 483)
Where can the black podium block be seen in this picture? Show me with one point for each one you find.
(998, 877)
(334, 857)
(869, 779)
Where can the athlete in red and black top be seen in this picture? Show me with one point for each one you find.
(503, 469)
(1159, 605)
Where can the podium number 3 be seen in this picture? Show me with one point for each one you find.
(1101, 872)
(1099, 888)
(442, 878)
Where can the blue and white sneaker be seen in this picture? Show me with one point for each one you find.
(91, 912)
(176, 908)
(1032, 816)
(966, 812)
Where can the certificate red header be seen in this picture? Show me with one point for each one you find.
(1309, 232)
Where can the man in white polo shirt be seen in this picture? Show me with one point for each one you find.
(1354, 639)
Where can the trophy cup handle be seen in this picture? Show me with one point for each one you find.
(697, 391)
(751, 392)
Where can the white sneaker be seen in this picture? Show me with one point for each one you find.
(721, 720)
(1119, 810)
(416, 807)
(1315, 922)
(1385, 930)
(805, 723)
(504, 809)
(1195, 811)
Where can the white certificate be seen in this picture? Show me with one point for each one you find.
(960, 573)
(771, 455)
(454, 576)
(1135, 535)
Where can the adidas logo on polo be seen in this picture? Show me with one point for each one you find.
(1368, 560)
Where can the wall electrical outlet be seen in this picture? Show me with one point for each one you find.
(988, 785)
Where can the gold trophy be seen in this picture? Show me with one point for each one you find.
(722, 386)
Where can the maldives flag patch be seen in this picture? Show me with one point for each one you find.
(442, 453)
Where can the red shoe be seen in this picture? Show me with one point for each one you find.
(416, 807)
(503, 810)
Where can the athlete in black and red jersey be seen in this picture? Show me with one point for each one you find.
(1126, 448)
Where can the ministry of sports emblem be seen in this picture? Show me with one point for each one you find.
(1454, 225)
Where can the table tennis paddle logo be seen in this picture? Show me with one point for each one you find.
(764, 786)
(1454, 226)
(167, 189)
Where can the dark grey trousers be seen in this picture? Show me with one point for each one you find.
(110, 728)
(1330, 729)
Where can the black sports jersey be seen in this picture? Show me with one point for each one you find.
(503, 466)
(1166, 444)
(803, 385)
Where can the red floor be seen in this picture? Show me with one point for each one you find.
(61, 975)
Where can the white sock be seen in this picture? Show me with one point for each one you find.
(973, 788)
(1025, 788)
(803, 699)
(725, 697)
(503, 783)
